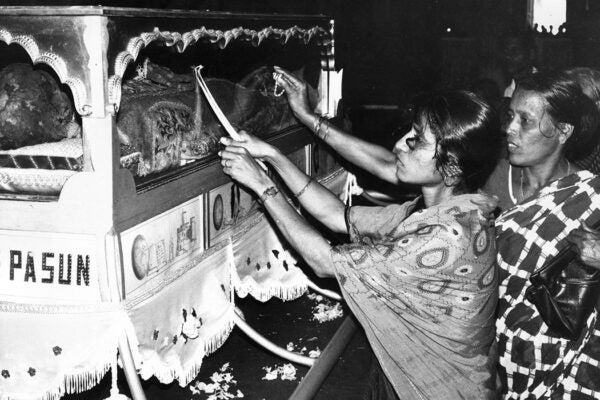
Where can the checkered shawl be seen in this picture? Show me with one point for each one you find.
(423, 286)
(533, 363)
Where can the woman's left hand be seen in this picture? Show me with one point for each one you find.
(587, 245)
(488, 204)
(241, 167)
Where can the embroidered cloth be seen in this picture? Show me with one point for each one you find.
(49, 350)
(188, 313)
(534, 363)
(172, 322)
(423, 286)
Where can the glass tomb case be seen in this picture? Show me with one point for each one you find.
(117, 224)
(99, 98)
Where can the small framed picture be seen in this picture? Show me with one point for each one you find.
(151, 249)
(226, 206)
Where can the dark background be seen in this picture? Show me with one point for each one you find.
(390, 49)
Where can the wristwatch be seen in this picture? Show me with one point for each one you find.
(269, 192)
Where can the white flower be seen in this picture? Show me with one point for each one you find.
(270, 375)
(216, 377)
(314, 296)
(326, 312)
(227, 377)
(290, 346)
(314, 353)
(194, 389)
(288, 372)
(211, 387)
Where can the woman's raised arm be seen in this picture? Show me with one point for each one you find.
(373, 158)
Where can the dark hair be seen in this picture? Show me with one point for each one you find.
(467, 133)
(589, 81)
(566, 103)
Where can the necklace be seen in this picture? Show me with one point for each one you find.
(521, 183)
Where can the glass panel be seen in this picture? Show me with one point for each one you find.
(40, 130)
(165, 122)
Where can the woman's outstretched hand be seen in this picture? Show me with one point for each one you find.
(488, 204)
(256, 148)
(243, 168)
(587, 245)
(295, 90)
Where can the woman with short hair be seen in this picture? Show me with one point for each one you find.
(420, 276)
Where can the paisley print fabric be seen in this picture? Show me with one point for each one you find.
(423, 286)
(534, 364)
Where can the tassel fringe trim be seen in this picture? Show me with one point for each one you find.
(184, 374)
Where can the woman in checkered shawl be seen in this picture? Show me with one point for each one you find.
(549, 120)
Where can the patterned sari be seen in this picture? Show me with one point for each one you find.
(534, 363)
(423, 286)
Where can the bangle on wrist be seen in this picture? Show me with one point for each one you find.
(301, 191)
(326, 133)
(268, 193)
(317, 125)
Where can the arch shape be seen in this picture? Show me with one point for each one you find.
(28, 43)
(181, 41)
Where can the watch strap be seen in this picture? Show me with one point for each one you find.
(268, 193)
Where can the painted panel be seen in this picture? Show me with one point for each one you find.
(152, 248)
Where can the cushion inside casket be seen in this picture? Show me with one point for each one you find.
(40, 169)
(40, 138)
(44, 168)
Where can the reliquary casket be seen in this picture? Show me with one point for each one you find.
(118, 228)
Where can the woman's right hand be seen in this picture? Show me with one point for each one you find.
(295, 90)
(256, 148)
(587, 245)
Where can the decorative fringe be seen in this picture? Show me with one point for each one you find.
(184, 374)
(75, 383)
(217, 340)
(114, 390)
(264, 294)
(210, 346)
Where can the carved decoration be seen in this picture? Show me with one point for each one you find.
(215, 36)
(56, 63)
